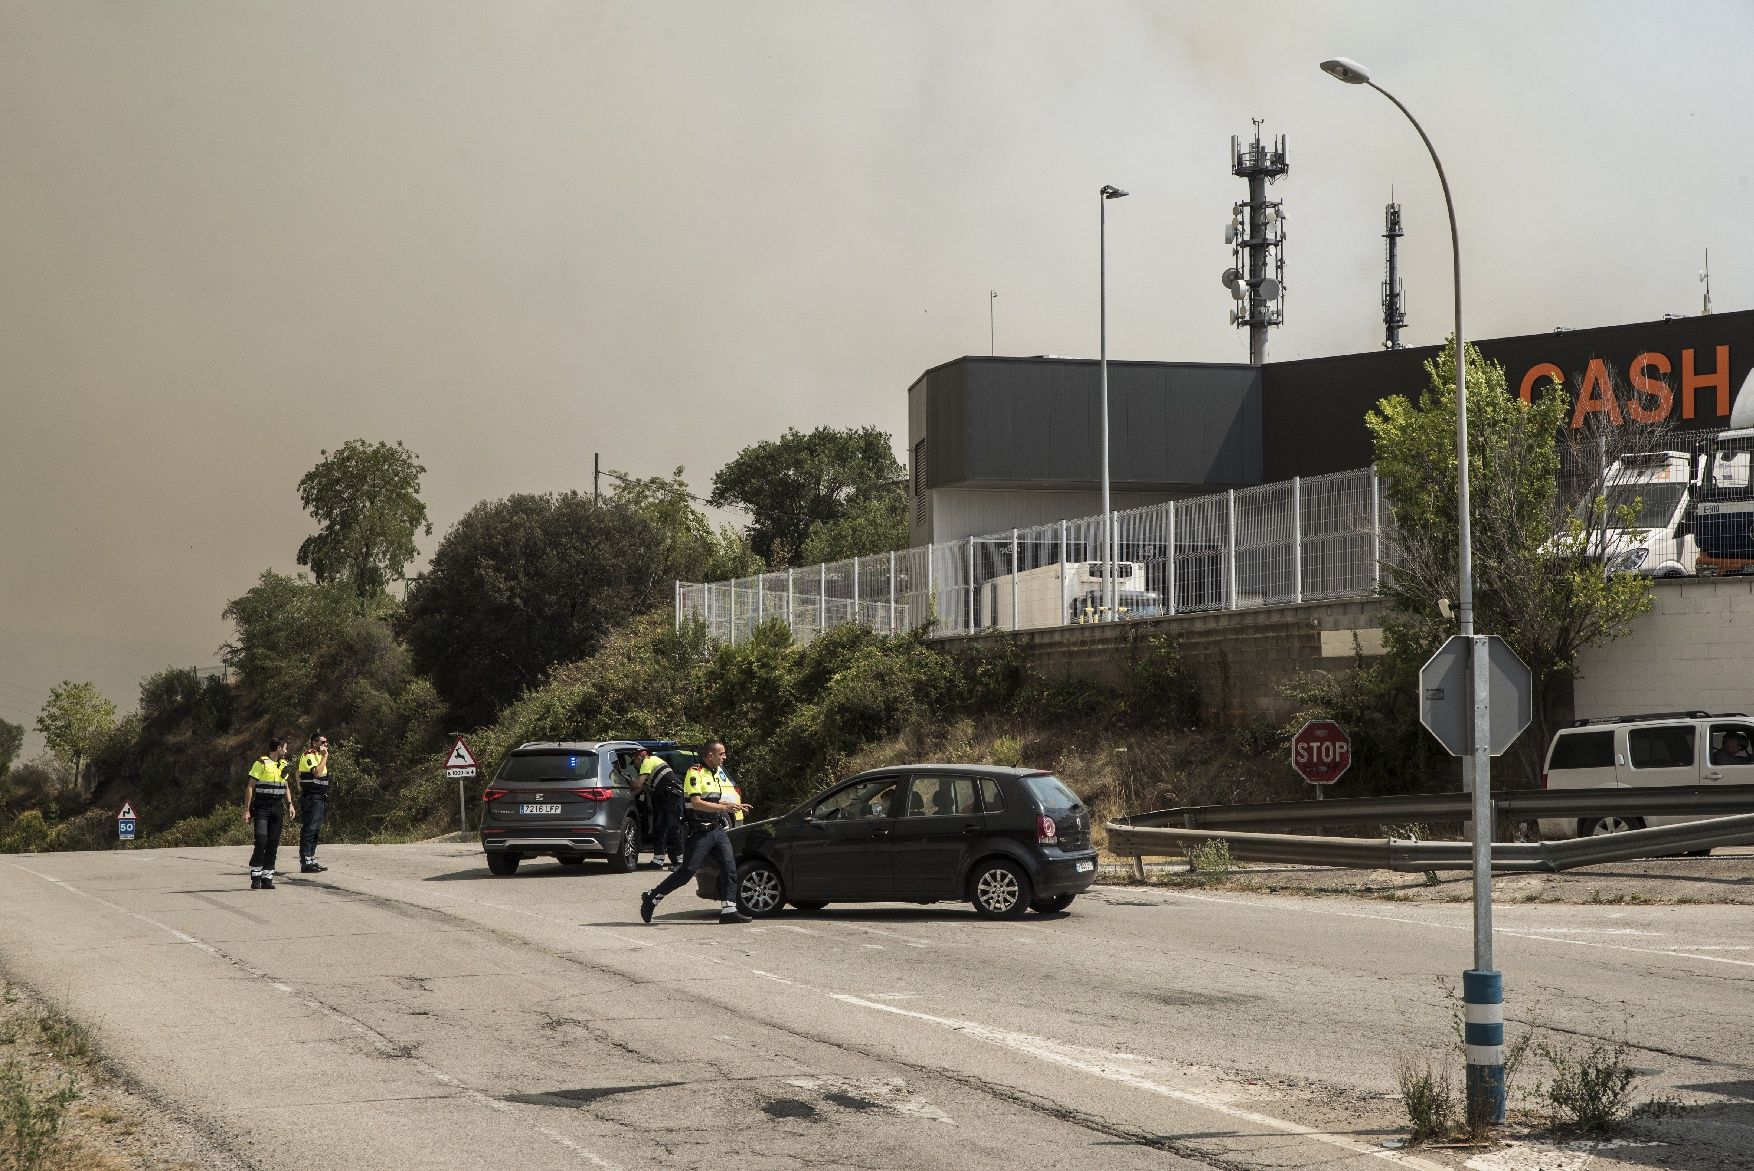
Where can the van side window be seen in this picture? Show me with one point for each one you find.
(1663, 747)
(1584, 750)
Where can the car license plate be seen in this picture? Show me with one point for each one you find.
(538, 809)
(1083, 867)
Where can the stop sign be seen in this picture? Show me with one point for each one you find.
(1321, 751)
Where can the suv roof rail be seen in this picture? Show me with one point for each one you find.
(1689, 715)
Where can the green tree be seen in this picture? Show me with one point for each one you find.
(875, 523)
(365, 498)
(1539, 575)
(527, 582)
(690, 545)
(11, 740)
(796, 481)
(75, 721)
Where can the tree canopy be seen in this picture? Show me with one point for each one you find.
(11, 740)
(521, 584)
(74, 720)
(365, 498)
(790, 484)
(689, 542)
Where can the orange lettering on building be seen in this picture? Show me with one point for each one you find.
(1691, 381)
(1644, 386)
(1540, 370)
(1597, 395)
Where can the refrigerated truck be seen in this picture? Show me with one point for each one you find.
(1064, 593)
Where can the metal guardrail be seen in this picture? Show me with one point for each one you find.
(1411, 856)
(1509, 805)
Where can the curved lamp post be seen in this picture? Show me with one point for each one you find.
(1483, 987)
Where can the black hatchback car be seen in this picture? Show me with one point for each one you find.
(1008, 840)
(569, 800)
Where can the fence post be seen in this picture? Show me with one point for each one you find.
(1015, 564)
(1230, 551)
(892, 591)
(760, 597)
(1065, 614)
(1297, 538)
(1375, 529)
(857, 621)
(679, 605)
(822, 597)
(1169, 578)
(971, 585)
(733, 619)
(789, 572)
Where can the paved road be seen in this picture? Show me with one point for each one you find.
(407, 1010)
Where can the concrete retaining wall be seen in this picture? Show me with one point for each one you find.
(1694, 650)
(1237, 658)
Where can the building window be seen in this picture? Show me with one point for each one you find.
(920, 482)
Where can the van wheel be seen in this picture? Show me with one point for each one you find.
(999, 890)
(503, 864)
(1612, 825)
(626, 854)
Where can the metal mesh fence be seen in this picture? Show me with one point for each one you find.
(1293, 541)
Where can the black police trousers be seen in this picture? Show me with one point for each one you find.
(267, 815)
(701, 844)
(666, 835)
(313, 803)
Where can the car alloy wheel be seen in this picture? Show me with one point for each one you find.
(1000, 891)
(760, 890)
(626, 855)
(1613, 825)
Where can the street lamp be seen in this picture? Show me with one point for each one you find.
(1483, 988)
(1109, 598)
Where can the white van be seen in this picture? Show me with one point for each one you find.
(1660, 543)
(1646, 751)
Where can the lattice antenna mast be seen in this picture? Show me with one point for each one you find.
(1394, 304)
(1256, 235)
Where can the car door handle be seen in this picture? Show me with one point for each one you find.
(879, 833)
(971, 829)
(1714, 775)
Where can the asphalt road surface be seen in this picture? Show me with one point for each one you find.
(406, 1010)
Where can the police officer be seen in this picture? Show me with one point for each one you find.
(708, 816)
(732, 794)
(662, 789)
(266, 804)
(313, 801)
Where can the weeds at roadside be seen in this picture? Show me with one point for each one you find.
(1211, 859)
(1591, 1091)
(1428, 1096)
(30, 1119)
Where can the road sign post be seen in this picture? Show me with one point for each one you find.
(461, 765)
(1476, 697)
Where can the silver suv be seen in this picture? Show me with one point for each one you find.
(1646, 751)
(569, 800)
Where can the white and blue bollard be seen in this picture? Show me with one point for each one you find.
(1483, 1029)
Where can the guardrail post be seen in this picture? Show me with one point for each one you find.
(1297, 538)
(1483, 1027)
(1014, 568)
(1138, 868)
(1230, 551)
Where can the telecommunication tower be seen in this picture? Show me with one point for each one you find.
(1394, 305)
(1256, 235)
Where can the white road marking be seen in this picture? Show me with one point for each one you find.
(1106, 1066)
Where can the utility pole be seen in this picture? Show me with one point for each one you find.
(596, 477)
(992, 334)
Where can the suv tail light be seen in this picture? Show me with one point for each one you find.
(488, 795)
(1046, 832)
(593, 794)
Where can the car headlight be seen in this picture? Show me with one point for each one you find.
(1628, 561)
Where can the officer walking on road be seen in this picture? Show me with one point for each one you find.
(708, 816)
(313, 801)
(266, 804)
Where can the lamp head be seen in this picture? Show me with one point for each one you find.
(1347, 70)
(1110, 191)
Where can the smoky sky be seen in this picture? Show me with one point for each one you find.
(515, 234)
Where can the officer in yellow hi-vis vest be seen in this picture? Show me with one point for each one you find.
(663, 792)
(313, 801)
(709, 811)
(267, 801)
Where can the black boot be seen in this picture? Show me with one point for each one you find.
(255, 882)
(647, 904)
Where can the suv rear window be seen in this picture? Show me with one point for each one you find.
(1670, 746)
(549, 766)
(1052, 792)
(1583, 750)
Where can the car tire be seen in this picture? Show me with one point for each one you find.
(1051, 906)
(999, 889)
(503, 864)
(1593, 827)
(809, 906)
(626, 855)
(761, 891)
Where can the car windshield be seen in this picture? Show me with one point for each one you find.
(555, 765)
(1659, 501)
(1052, 792)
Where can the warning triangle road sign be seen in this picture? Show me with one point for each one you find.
(460, 757)
(127, 813)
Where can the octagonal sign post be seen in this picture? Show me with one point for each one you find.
(1321, 752)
